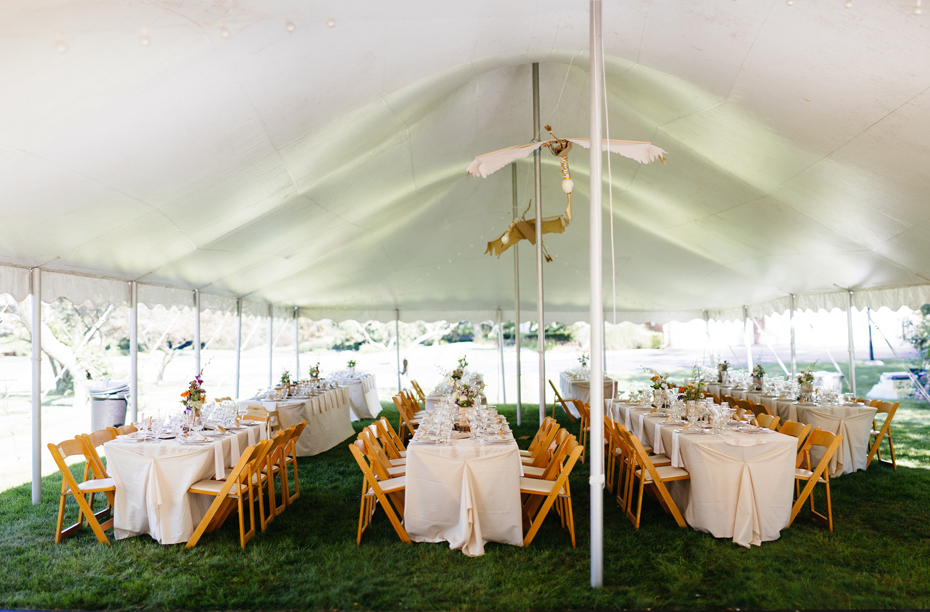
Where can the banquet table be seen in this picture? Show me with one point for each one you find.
(363, 395)
(853, 422)
(152, 478)
(741, 484)
(327, 416)
(580, 389)
(465, 494)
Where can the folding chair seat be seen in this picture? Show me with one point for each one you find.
(646, 473)
(230, 494)
(878, 434)
(558, 398)
(818, 475)
(377, 490)
(539, 496)
(79, 491)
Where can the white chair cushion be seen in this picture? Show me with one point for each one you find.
(660, 459)
(392, 485)
(397, 471)
(212, 486)
(529, 470)
(665, 472)
(96, 485)
(526, 453)
(401, 461)
(536, 486)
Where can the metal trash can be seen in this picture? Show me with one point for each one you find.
(108, 403)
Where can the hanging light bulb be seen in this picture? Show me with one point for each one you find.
(789, 2)
(917, 9)
(848, 4)
(567, 183)
(144, 40)
(60, 43)
(290, 26)
(505, 238)
(224, 31)
(331, 23)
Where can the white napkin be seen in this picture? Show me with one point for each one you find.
(219, 465)
(657, 446)
(676, 451)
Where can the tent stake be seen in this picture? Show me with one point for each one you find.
(597, 304)
(540, 317)
(36, 299)
(133, 352)
(516, 297)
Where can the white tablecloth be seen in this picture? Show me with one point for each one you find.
(739, 492)
(152, 479)
(465, 494)
(853, 422)
(327, 416)
(363, 396)
(581, 390)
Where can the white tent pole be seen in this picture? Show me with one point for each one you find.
(238, 344)
(597, 304)
(296, 345)
(397, 336)
(197, 332)
(36, 299)
(500, 349)
(540, 317)
(133, 352)
(270, 345)
(516, 298)
(794, 347)
(852, 349)
(747, 337)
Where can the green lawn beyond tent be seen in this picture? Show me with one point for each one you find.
(878, 557)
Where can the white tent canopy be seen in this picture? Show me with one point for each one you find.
(325, 167)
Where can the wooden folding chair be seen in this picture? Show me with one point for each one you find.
(387, 443)
(535, 441)
(610, 451)
(585, 412)
(768, 421)
(239, 483)
(275, 465)
(290, 459)
(540, 455)
(799, 431)
(413, 403)
(551, 457)
(416, 387)
(819, 475)
(123, 430)
(716, 398)
(92, 442)
(644, 471)
(374, 451)
(541, 495)
(877, 435)
(558, 398)
(260, 414)
(396, 442)
(376, 490)
(69, 486)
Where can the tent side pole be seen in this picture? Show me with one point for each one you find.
(747, 337)
(397, 336)
(794, 346)
(516, 298)
(196, 332)
(238, 346)
(133, 352)
(540, 316)
(595, 253)
(270, 345)
(296, 344)
(500, 350)
(852, 348)
(36, 299)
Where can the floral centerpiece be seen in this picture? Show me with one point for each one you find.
(351, 364)
(657, 380)
(286, 377)
(722, 368)
(758, 372)
(806, 381)
(694, 391)
(467, 395)
(315, 371)
(459, 372)
(583, 360)
(195, 395)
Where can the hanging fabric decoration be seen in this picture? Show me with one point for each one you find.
(484, 165)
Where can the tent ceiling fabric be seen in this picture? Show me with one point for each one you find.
(325, 167)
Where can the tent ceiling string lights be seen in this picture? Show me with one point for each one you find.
(321, 167)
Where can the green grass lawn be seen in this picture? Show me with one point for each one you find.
(878, 557)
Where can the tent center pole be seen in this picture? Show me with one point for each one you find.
(516, 297)
(747, 337)
(794, 347)
(238, 346)
(36, 299)
(852, 348)
(296, 344)
(133, 352)
(196, 332)
(500, 350)
(540, 315)
(397, 335)
(595, 253)
(270, 345)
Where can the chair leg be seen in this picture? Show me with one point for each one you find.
(894, 463)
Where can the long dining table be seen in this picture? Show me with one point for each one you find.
(578, 387)
(741, 484)
(152, 478)
(465, 494)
